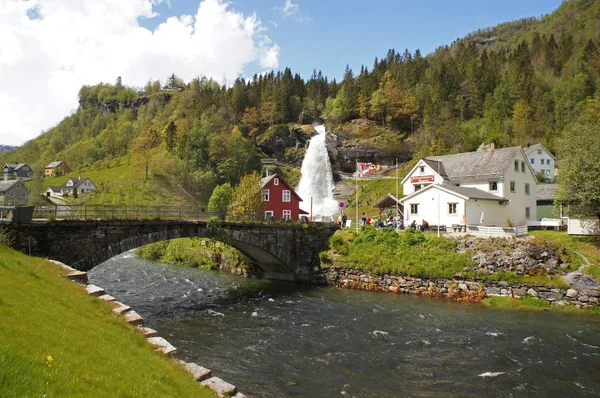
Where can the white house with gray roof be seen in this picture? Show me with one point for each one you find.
(541, 161)
(484, 187)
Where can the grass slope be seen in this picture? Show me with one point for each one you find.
(122, 181)
(93, 354)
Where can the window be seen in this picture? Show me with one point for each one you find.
(276, 181)
(512, 187)
(422, 169)
(532, 161)
(417, 187)
(12, 195)
(265, 195)
(414, 208)
(542, 161)
(526, 189)
(452, 208)
(287, 214)
(539, 151)
(286, 195)
(548, 161)
(522, 166)
(517, 166)
(527, 212)
(493, 185)
(269, 215)
(23, 195)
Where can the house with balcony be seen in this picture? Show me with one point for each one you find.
(494, 187)
(13, 171)
(280, 200)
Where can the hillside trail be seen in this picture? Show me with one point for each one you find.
(578, 280)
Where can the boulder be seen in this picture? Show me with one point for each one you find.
(572, 293)
(220, 387)
(532, 292)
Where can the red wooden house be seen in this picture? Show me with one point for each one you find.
(281, 201)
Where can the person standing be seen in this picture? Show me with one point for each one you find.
(344, 219)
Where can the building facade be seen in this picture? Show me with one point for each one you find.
(12, 171)
(56, 168)
(495, 187)
(280, 200)
(13, 193)
(81, 185)
(542, 161)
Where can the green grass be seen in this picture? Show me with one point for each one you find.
(93, 353)
(533, 304)
(123, 181)
(387, 252)
(589, 246)
(548, 280)
(369, 193)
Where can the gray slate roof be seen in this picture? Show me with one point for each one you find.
(15, 166)
(6, 185)
(52, 165)
(472, 193)
(545, 191)
(437, 166)
(76, 182)
(477, 165)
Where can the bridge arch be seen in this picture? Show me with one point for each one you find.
(283, 251)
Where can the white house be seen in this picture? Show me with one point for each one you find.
(542, 161)
(82, 185)
(487, 187)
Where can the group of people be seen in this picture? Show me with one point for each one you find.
(423, 227)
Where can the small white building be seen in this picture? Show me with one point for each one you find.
(82, 185)
(542, 161)
(488, 187)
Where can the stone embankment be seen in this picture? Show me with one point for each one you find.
(201, 374)
(457, 289)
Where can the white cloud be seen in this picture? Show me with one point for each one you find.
(291, 10)
(50, 48)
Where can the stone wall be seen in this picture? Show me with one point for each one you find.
(457, 289)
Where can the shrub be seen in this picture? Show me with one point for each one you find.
(6, 239)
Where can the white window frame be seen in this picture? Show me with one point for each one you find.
(269, 213)
(512, 187)
(527, 212)
(422, 169)
(265, 195)
(286, 195)
(287, 214)
(522, 167)
(276, 181)
(416, 209)
(527, 189)
(539, 151)
(532, 160)
(516, 166)
(452, 207)
(491, 188)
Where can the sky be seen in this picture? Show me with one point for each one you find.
(50, 48)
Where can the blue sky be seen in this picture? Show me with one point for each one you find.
(328, 34)
(49, 49)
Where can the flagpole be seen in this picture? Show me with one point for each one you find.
(396, 187)
(356, 179)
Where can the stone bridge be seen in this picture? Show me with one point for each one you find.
(283, 251)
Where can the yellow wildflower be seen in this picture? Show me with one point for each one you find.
(49, 360)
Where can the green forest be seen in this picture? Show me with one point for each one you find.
(520, 82)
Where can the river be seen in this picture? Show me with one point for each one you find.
(278, 339)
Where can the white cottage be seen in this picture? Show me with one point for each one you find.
(542, 161)
(485, 187)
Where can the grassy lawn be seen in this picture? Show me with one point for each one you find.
(413, 253)
(123, 181)
(369, 193)
(589, 246)
(532, 304)
(93, 354)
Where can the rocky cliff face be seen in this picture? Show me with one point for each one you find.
(286, 143)
(364, 141)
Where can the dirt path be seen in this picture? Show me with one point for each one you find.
(578, 280)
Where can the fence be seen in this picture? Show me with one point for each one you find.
(504, 232)
(118, 212)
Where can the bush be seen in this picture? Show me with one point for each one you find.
(6, 238)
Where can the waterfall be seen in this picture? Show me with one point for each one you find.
(316, 180)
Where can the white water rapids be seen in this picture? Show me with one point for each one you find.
(316, 181)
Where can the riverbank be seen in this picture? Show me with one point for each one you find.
(55, 340)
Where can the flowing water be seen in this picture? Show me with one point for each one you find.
(316, 181)
(276, 339)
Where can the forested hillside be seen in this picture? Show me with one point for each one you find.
(519, 82)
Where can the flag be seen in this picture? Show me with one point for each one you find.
(363, 168)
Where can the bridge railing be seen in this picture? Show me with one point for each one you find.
(120, 212)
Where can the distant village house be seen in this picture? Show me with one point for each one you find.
(12, 171)
(79, 185)
(56, 168)
(13, 193)
(542, 161)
